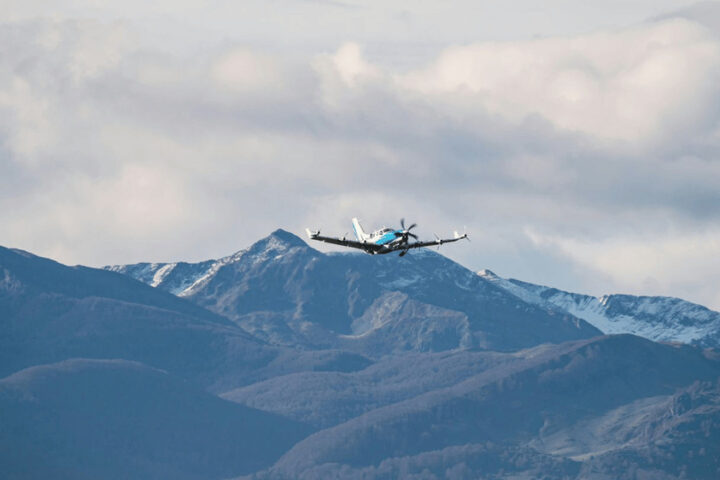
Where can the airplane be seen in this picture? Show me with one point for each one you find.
(385, 240)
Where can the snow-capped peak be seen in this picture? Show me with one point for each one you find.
(183, 279)
(656, 318)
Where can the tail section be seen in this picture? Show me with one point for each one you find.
(359, 232)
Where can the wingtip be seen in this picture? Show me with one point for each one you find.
(460, 237)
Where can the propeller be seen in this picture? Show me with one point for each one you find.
(406, 231)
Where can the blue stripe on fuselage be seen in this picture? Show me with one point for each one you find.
(387, 238)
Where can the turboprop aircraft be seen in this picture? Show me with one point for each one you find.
(385, 240)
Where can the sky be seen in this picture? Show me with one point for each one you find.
(578, 142)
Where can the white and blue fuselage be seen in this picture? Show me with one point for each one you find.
(384, 236)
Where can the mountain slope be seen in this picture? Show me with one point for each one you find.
(519, 404)
(469, 377)
(287, 293)
(663, 319)
(50, 312)
(119, 419)
(23, 274)
(324, 399)
(678, 437)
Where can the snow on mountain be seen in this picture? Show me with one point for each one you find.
(294, 278)
(287, 293)
(182, 278)
(665, 319)
(176, 278)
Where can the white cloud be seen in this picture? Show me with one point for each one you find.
(28, 128)
(115, 151)
(350, 65)
(684, 264)
(635, 84)
(244, 71)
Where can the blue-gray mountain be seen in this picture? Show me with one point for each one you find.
(283, 362)
(119, 419)
(402, 292)
(604, 397)
(287, 293)
(51, 312)
(664, 319)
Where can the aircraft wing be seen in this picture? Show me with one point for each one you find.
(438, 241)
(368, 247)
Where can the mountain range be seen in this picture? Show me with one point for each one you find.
(280, 361)
(287, 293)
(663, 319)
(443, 289)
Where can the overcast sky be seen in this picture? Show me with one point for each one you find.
(578, 142)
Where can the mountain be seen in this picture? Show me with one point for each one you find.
(25, 274)
(325, 399)
(281, 362)
(117, 419)
(51, 312)
(562, 405)
(287, 293)
(663, 319)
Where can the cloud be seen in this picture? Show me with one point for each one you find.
(350, 66)
(705, 13)
(681, 264)
(635, 85)
(606, 143)
(244, 71)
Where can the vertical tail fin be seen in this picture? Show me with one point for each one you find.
(359, 232)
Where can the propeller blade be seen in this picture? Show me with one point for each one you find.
(402, 223)
(412, 226)
(413, 235)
